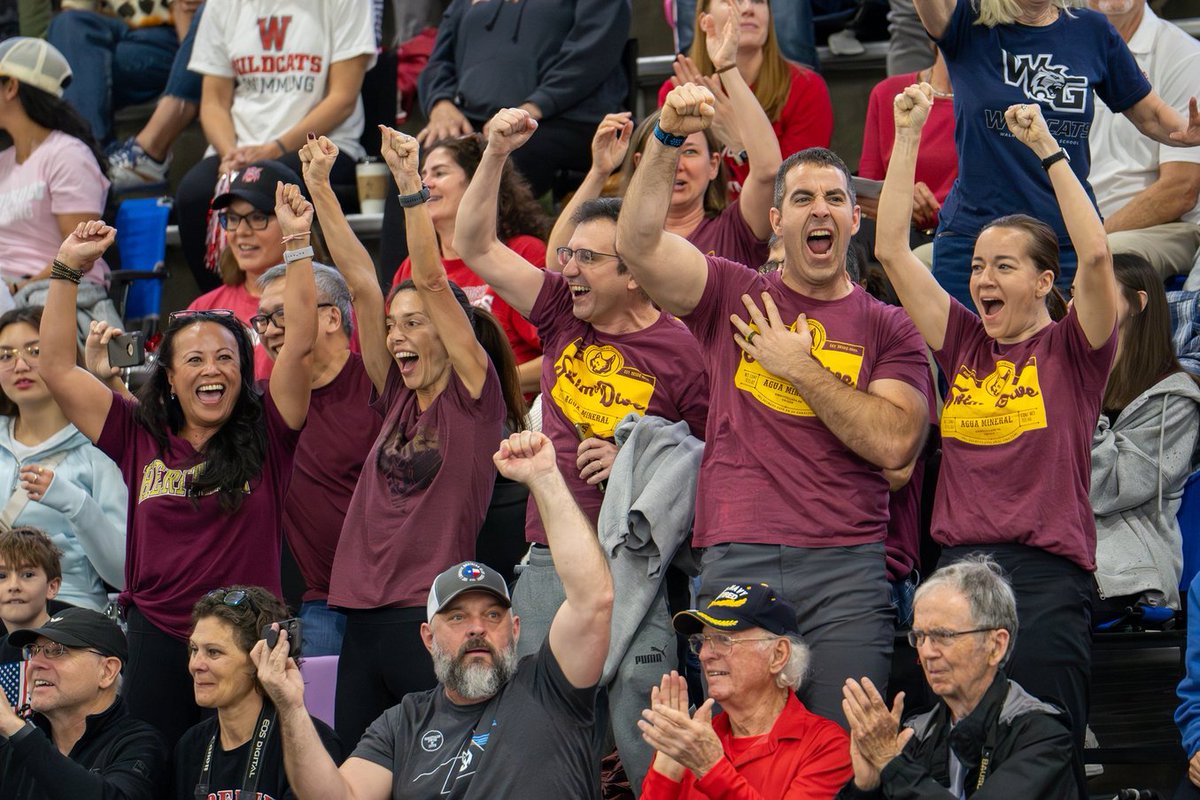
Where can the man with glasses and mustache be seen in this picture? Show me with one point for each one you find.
(495, 726)
(80, 740)
(986, 737)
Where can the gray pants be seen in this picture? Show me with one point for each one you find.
(842, 601)
(909, 48)
(1170, 248)
(536, 597)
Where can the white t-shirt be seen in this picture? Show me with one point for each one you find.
(278, 52)
(60, 176)
(1125, 162)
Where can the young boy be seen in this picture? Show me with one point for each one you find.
(30, 575)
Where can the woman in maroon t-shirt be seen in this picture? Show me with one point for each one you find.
(207, 458)
(1025, 394)
(446, 386)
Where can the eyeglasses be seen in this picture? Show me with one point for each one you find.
(582, 256)
(257, 220)
(721, 644)
(259, 321)
(8, 355)
(234, 599)
(52, 650)
(199, 315)
(940, 637)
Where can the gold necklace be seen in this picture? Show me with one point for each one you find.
(926, 76)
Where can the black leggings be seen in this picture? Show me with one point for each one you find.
(383, 659)
(157, 686)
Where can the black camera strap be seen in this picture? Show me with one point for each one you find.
(262, 732)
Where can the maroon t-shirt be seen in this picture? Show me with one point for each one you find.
(180, 547)
(338, 435)
(728, 236)
(595, 378)
(1017, 436)
(772, 472)
(422, 495)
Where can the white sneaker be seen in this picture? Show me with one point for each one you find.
(130, 168)
(845, 43)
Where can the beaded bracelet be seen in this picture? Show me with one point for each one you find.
(60, 271)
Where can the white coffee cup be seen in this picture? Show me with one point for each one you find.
(373, 181)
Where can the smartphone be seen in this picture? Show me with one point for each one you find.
(292, 626)
(584, 429)
(127, 350)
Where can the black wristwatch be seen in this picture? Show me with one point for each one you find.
(1054, 158)
(414, 199)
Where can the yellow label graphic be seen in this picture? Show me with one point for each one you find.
(592, 385)
(996, 408)
(159, 480)
(843, 359)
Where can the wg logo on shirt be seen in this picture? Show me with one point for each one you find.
(1045, 82)
(996, 408)
(843, 359)
(593, 385)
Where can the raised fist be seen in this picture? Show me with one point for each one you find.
(688, 108)
(403, 156)
(509, 130)
(911, 107)
(294, 213)
(316, 159)
(1025, 122)
(86, 243)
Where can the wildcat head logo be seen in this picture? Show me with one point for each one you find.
(604, 360)
(1045, 82)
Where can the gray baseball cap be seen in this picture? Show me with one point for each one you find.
(469, 576)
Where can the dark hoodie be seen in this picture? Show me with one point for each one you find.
(562, 55)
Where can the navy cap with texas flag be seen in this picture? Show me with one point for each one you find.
(469, 576)
(739, 607)
(78, 627)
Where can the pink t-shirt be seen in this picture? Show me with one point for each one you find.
(422, 496)
(181, 547)
(60, 176)
(521, 333)
(728, 236)
(338, 434)
(772, 472)
(598, 378)
(244, 305)
(1017, 436)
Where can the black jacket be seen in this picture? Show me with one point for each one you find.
(1030, 744)
(117, 758)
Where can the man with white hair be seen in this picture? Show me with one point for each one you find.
(987, 737)
(764, 743)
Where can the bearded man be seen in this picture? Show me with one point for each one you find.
(493, 724)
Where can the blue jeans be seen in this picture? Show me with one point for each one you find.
(793, 28)
(952, 253)
(183, 83)
(902, 600)
(113, 65)
(323, 628)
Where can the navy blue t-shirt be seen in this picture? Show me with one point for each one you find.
(1057, 66)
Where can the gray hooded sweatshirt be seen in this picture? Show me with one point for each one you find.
(1140, 463)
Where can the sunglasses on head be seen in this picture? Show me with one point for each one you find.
(185, 316)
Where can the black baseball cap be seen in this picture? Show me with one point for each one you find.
(469, 576)
(256, 185)
(78, 627)
(741, 606)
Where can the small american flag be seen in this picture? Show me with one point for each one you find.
(16, 686)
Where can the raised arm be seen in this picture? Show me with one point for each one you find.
(512, 277)
(1154, 118)
(609, 144)
(350, 257)
(579, 633)
(668, 267)
(758, 137)
(82, 397)
(926, 302)
(467, 357)
(935, 15)
(291, 379)
(1095, 285)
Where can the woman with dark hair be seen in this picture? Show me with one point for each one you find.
(1024, 393)
(58, 481)
(447, 168)
(52, 177)
(213, 755)
(1142, 450)
(795, 98)
(206, 456)
(446, 387)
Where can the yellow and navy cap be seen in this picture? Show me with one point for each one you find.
(741, 606)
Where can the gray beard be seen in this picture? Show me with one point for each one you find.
(474, 679)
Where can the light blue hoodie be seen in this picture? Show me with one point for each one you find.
(83, 511)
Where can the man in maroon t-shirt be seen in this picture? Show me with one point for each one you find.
(337, 437)
(816, 389)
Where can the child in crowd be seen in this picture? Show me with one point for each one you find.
(30, 574)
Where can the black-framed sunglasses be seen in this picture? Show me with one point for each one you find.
(257, 220)
(187, 315)
(234, 598)
(582, 256)
(260, 321)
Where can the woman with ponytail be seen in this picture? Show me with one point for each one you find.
(446, 386)
(52, 177)
(1025, 393)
